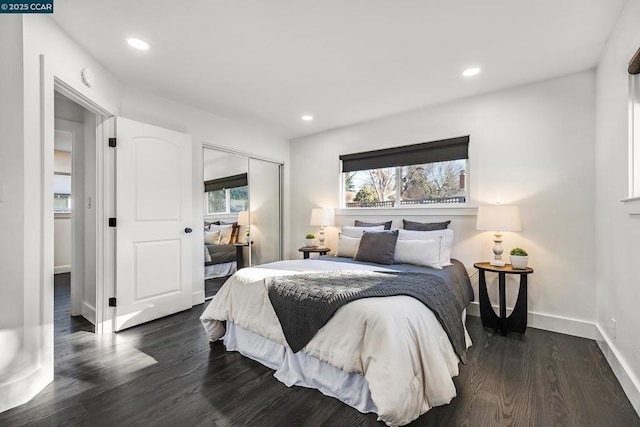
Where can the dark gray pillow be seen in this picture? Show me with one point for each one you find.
(378, 247)
(425, 226)
(387, 225)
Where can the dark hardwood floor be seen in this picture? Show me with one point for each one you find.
(212, 286)
(165, 373)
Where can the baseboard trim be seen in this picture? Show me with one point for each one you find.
(89, 312)
(61, 269)
(630, 384)
(562, 325)
(23, 389)
(197, 297)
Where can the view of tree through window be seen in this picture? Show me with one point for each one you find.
(430, 183)
(238, 199)
(229, 200)
(216, 201)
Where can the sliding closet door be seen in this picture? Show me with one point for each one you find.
(265, 211)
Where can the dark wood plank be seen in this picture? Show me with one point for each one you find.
(166, 373)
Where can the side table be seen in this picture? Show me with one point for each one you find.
(306, 250)
(517, 320)
(240, 254)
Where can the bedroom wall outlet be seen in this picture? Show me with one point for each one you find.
(612, 327)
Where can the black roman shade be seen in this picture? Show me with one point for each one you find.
(226, 182)
(426, 152)
(634, 64)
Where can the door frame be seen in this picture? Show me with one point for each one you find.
(104, 199)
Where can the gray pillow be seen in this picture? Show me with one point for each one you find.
(378, 247)
(387, 225)
(425, 226)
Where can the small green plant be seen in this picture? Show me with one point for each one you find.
(310, 236)
(519, 252)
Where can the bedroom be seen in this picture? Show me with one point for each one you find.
(582, 239)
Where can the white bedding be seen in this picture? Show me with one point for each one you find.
(396, 343)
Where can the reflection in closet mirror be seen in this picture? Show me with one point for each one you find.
(242, 214)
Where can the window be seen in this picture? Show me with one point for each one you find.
(431, 173)
(61, 193)
(226, 195)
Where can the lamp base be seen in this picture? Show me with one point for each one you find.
(498, 263)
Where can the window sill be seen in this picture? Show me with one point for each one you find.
(632, 205)
(410, 211)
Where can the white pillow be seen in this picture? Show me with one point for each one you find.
(225, 232)
(212, 237)
(207, 255)
(445, 246)
(351, 231)
(347, 246)
(419, 252)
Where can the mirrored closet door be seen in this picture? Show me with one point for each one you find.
(242, 214)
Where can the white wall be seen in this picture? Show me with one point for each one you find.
(90, 218)
(27, 42)
(218, 164)
(617, 232)
(13, 221)
(532, 146)
(62, 243)
(27, 250)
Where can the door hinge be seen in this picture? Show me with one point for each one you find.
(112, 142)
(112, 302)
(112, 222)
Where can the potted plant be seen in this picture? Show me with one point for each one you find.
(519, 258)
(310, 240)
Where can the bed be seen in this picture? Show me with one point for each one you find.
(220, 254)
(394, 358)
(221, 262)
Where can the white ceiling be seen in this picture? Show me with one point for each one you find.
(343, 61)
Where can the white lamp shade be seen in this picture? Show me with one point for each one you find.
(321, 216)
(243, 218)
(498, 218)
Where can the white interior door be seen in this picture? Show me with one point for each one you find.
(153, 211)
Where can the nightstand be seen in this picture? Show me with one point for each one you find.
(517, 320)
(306, 250)
(240, 254)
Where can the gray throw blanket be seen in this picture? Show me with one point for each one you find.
(304, 303)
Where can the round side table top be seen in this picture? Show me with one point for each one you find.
(508, 269)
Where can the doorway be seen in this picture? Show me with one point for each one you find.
(74, 214)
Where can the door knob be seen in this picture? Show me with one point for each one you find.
(188, 230)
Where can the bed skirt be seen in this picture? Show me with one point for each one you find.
(304, 370)
(219, 270)
(301, 369)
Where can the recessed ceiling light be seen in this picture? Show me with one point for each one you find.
(138, 44)
(307, 118)
(471, 71)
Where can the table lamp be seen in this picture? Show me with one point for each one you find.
(243, 219)
(498, 218)
(321, 217)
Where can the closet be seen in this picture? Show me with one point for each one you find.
(242, 205)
